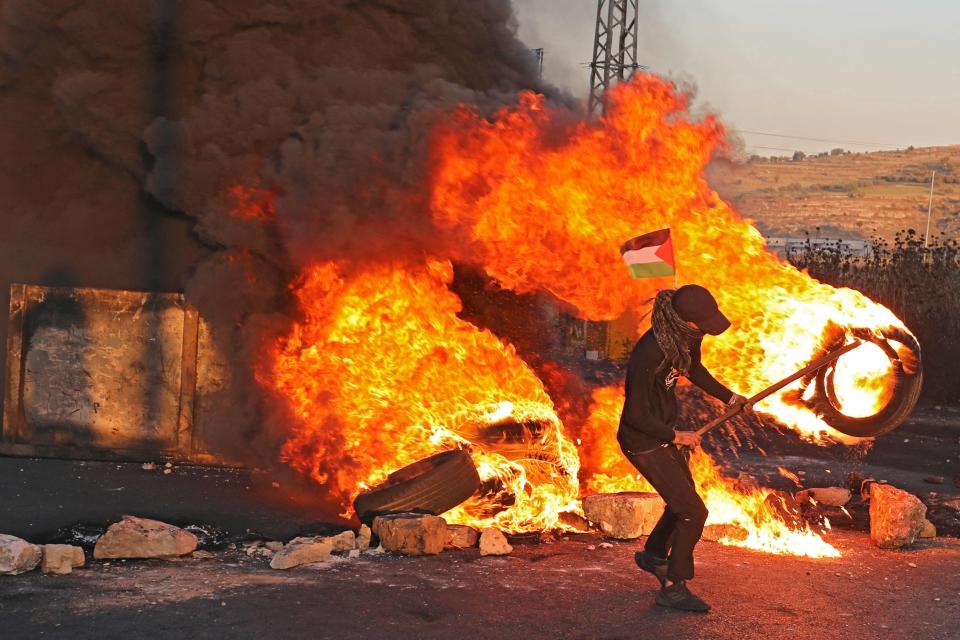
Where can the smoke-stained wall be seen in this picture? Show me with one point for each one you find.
(128, 128)
(75, 98)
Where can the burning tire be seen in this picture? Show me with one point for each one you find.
(432, 485)
(906, 382)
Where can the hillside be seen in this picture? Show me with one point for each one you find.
(850, 195)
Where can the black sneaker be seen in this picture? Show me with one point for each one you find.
(677, 596)
(653, 565)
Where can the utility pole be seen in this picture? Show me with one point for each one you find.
(926, 236)
(538, 60)
(614, 48)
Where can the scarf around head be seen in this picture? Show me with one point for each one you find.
(674, 336)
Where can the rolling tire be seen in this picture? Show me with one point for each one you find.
(432, 485)
(905, 394)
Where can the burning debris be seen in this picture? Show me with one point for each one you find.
(393, 334)
(432, 485)
(382, 372)
(340, 196)
(342, 207)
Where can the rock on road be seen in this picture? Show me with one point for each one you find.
(540, 591)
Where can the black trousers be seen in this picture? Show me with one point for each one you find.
(680, 527)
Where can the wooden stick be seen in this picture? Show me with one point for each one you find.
(810, 368)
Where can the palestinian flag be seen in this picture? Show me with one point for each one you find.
(650, 255)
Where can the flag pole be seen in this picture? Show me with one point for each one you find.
(926, 236)
(676, 272)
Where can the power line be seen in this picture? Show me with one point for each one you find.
(755, 146)
(792, 137)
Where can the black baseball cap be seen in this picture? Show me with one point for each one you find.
(695, 304)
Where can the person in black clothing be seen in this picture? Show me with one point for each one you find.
(669, 350)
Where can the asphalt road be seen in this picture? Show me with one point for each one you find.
(40, 497)
(560, 590)
(541, 591)
(927, 444)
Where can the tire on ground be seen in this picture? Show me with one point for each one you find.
(432, 485)
(908, 382)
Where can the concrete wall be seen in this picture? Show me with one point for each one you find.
(95, 373)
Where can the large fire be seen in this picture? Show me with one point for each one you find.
(381, 371)
(544, 204)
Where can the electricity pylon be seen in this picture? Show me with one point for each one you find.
(614, 48)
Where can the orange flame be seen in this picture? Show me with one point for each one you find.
(746, 508)
(252, 203)
(545, 205)
(381, 371)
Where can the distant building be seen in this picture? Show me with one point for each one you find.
(785, 247)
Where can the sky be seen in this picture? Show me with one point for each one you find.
(881, 73)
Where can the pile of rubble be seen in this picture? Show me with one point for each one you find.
(19, 556)
(410, 534)
(897, 518)
(141, 538)
(132, 537)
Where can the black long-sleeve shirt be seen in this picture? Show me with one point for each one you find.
(650, 406)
